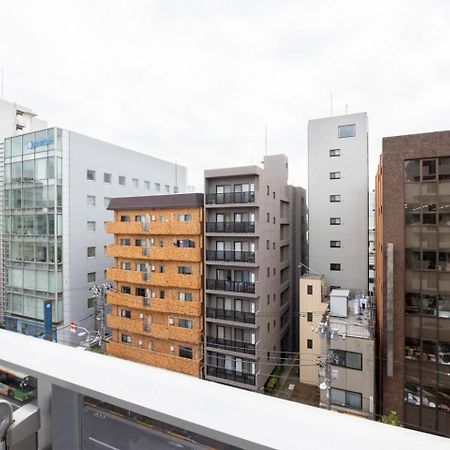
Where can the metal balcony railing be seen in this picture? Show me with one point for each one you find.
(232, 286)
(227, 314)
(230, 197)
(232, 375)
(230, 344)
(230, 256)
(230, 227)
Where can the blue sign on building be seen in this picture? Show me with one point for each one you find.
(34, 144)
(48, 319)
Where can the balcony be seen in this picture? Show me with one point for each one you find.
(232, 345)
(231, 375)
(155, 330)
(154, 253)
(231, 286)
(231, 315)
(143, 356)
(169, 306)
(154, 228)
(230, 197)
(230, 227)
(230, 256)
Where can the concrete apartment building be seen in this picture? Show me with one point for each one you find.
(413, 279)
(347, 374)
(372, 243)
(312, 308)
(57, 185)
(338, 200)
(157, 299)
(249, 271)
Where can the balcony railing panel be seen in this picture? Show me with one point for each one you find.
(232, 286)
(230, 197)
(230, 227)
(232, 345)
(232, 375)
(230, 256)
(227, 314)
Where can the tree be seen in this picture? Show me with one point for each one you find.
(391, 419)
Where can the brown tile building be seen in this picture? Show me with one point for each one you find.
(413, 280)
(157, 299)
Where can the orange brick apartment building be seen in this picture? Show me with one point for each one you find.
(157, 295)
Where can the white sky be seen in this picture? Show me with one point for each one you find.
(196, 81)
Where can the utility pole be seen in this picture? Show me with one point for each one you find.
(99, 291)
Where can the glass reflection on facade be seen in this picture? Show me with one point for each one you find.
(33, 224)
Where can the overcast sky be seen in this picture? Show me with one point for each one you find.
(196, 81)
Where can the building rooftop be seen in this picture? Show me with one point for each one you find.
(157, 202)
(309, 276)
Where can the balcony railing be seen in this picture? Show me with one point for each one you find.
(230, 256)
(232, 345)
(230, 227)
(227, 314)
(230, 197)
(232, 375)
(232, 286)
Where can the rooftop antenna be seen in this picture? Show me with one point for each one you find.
(3, 83)
(266, 138)
(331, 104)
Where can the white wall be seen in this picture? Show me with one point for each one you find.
(82, 153)
(353, 208)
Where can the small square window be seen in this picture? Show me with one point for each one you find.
(309, 289)
(90, 225)
(125, 218)
(91, 277)
(335, 244)
(335, 220)
(335, 175)
(126, 338)
(335, 266)
(157, 187)
(147, 185)
(91, 200)
(107, 178)
(267, 244)
(335, 198)
(185, 352)
(91, 252)
(122, 180)
(90, 175)
(335, 152)
(268, 217)
(309, 316)
(91, 302)
(135, 182)
(346, 131)
(167, 188)
(309, 343)
(175, 189)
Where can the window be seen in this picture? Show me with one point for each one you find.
(122, 180)
(138, 219)
(268, 217)
(125, 289)
(309, 289)
(185, 270)
(309, 343)
(161, 269)
(125, 313)
(141, 267)
(91, 200)
(90, 175)
(125, 242)
(124, 218)
(185, 323)
(185, 352)
(106, 201)
(335, 198)
(184, 218)
(125, 265)
(90, 225)
(268, 327)
(335, 152)
(309, 316)
(335, 220)
(91, 302)
(157, 187)
(162, 294)
(268, 244)
(184, 243)
(175, 189)
(345, 131)
(139, 242)
(335, 175)
(91, 252)
(107, 178)
(125, 338)
(268, 189)
(268, 271)
(273, 245)
(135, 182)
(335, 244)
(185, 296)
(268, 299)
(91, 277)
(167, 188)
(350, 360)
(147, 185)
(348, 399)
(335, 266)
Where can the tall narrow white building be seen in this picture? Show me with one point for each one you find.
(338, 200)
